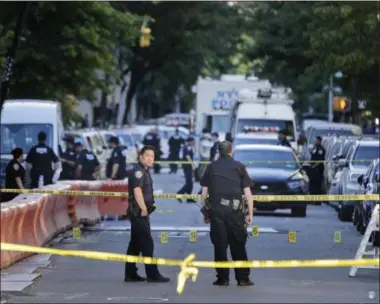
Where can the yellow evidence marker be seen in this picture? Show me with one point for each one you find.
(255, 231)
(164, 237)
(292, 237)
(337, 237)
(76, 233)
(193, 236)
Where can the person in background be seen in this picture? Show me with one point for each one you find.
(68, 160)
(188, 155)
(117, 163)
(87, 163)
(40, 161)
(214, 148)
(316, 175)
(85, 122)
(153, 139)
(282, 140)
(14, 175)
(175, 144)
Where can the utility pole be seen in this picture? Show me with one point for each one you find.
(11, 54)
(331, 99)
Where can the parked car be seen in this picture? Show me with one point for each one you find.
(355, 164)
(277, 178)
(369, 184)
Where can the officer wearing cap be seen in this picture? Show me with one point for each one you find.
(318, 154)
(40, 161)
(87, 163)
(14, 175)
(214, 148)
(282, 140)
(68, 160)
(117, 163)
(175, 143)
(188, 156)
(225, 181)
(141, 204)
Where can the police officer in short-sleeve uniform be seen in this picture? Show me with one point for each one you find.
(40, 159)
(117, 163)
(87, 163)
(14, 175)
(68, 160)
(153, 139)
(175, 143)
(141, 204)
(316, 175)
(188, 156)
(214, 148)
(226, 181)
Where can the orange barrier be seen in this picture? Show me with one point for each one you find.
(34, 219)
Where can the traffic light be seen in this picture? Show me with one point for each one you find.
(342, 104)
(145, 36)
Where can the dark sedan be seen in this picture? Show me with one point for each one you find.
(274, 170)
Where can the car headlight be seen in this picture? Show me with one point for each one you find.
(354, 177)
(295, 184)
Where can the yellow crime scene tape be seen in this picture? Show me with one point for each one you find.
(189, 265)
(258, 198)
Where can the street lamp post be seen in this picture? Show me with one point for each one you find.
(331, 94)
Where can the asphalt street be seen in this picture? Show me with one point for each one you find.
(75, 280)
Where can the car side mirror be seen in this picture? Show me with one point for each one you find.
(377, 178)
(342, 163)
(360, 179)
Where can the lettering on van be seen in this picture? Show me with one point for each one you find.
(224, 100)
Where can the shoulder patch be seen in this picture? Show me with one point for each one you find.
(138, 174)
(16, 166)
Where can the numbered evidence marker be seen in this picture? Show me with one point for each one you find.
(193, 236)
(292, 237)
(337, 237)
(76, 233)
(255, 231)
(164, 237)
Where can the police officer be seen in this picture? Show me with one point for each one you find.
(153, 139)
(175, 144)
(188, 155)
(39, 161)
(282, 140)
(226, 181)
(14, 175)
(87, 163)
(214, 148)
(141, 204)
(68, 160)
(316, 175)
(117, 163)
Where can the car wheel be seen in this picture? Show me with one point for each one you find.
(376, 238)
(345, 213)
(299, 211)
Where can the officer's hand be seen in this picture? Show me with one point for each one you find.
(248, 220)
(144, 212)
(206, 219)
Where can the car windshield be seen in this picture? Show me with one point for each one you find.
(261, 158)
(252, 141)
(266, 125)
(23, 136)
(127, 139)
(137, 137)
(364, 155)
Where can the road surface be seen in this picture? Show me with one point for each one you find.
(75, 280)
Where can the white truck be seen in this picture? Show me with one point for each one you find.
(264, 110)
(215, 99)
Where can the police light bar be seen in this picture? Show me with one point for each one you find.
(261, 129)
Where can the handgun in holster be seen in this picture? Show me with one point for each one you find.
(151, 209)
(206, 209)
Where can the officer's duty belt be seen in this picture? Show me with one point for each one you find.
(233, 203)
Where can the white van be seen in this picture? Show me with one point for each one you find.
(259, 111)
(21, 120)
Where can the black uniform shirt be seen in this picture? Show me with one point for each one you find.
(117, 157)
(14, 169)
(140, 177)
(225, 178)
(175, 143)
(188, 151)
(318, 153)
(214, 150)
(41, 157)
(68, 171)
(89, 162)
(154, 141)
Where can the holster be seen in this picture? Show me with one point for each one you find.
(237, 204)
(206, 209)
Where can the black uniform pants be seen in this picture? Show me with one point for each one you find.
(227, 228)
(188, 187)
(141, 242)
(157, 167)
(316, 179)
(48, 179)
(173, 156)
